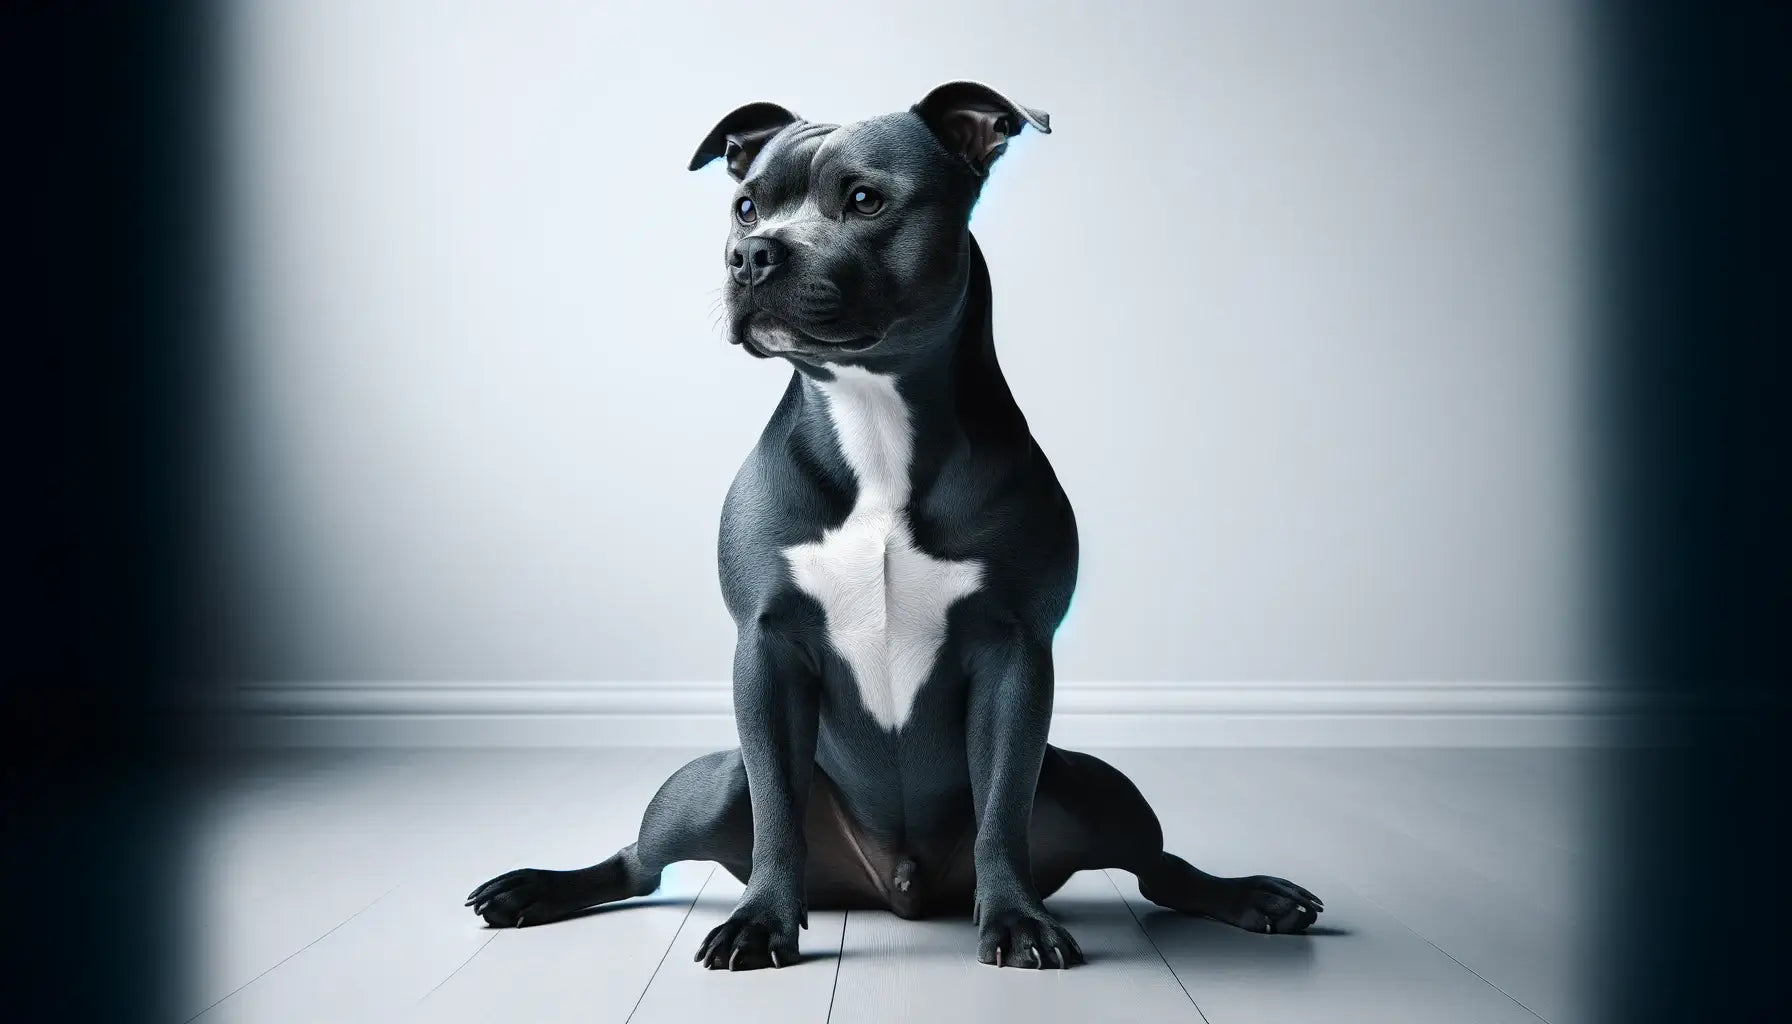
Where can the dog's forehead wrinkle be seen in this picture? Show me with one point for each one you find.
(780, 174)
(844, 146)
(864, 142)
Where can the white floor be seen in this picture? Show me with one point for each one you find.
(328, 887)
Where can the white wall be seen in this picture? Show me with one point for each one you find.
(1291, 297)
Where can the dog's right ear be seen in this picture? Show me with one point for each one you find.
(739, 137)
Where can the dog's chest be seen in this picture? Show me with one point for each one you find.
(885, 600)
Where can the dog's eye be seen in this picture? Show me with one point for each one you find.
(866, 201)
(745, 211)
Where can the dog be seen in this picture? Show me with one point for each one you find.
(896, 554)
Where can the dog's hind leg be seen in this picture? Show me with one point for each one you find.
(701, 813)
(1256, 903)
(1086, 814)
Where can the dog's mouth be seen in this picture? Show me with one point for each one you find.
(767, 334)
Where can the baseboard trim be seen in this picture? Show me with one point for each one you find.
(1154, 714)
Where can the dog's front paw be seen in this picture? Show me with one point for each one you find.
(751, 938)
(1021, 937)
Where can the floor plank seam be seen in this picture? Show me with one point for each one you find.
(462, 965)
(841, 955)
(566, 803)
(1302, 783)
(1427, 940)
(1154, 948)
(1530, 832)
(673, 941)
(1414, 841)
(221, 1000)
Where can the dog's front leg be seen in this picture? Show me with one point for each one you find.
(1009, 715)
(777, 712)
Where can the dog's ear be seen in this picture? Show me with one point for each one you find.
(739, 137)
(975, 122)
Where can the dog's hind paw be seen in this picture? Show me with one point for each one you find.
(1264, 903)
(515, 898)
(1256, 903)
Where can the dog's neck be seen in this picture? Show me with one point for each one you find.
(895, 423)
(927, 405)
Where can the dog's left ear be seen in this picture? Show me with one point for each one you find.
(740, 136)
(975, 122)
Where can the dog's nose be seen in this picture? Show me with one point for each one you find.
(756, 258)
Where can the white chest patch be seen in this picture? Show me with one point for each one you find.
(885, 600)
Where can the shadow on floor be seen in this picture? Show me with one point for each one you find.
(1182, 938)
(605, 908)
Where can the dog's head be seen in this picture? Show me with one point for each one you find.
(844, 239)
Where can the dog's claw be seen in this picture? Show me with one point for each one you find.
(517, 898)
(750, 940)
(1262, 904)
(1019, 938)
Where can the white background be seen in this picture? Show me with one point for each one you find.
(1292, 297)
